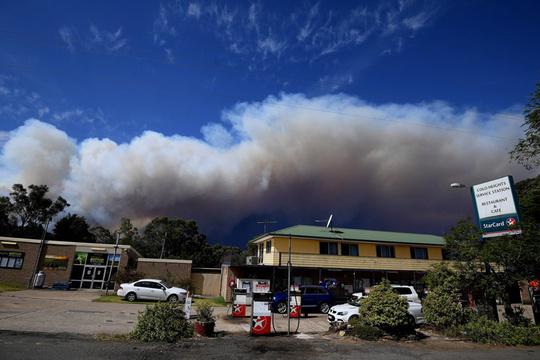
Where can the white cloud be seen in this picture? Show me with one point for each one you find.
(259, 32)
(194, 10)
(216, 135)
(37, 153)
(112, 41)
(278, 156)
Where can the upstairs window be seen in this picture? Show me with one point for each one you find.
(328, 248)
(419, 253)
(386, 251)
(349, 249)
(261, 249)
(268, 246)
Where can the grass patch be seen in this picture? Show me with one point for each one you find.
(5, 287)
(114, 299)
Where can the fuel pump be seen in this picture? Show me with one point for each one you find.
(239, 302)
(261, 311)
(295, 302)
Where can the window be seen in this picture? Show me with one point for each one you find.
(386, 251)
(314, 291)
(261, 248)
(349, 249)
(419, 253)
(268, 246)
(328, 248)
(11, 259)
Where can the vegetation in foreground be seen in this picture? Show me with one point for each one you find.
(162, 322)
(381, 316)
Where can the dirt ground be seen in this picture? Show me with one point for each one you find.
(26, 345)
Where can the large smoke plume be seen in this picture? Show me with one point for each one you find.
(292, 157)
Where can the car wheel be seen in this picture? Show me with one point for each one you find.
(131, 296)
(324, 308)
(172, 299)
(281, 307)
(411, 321)
(353, 318)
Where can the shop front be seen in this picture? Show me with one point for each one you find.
(94, 270)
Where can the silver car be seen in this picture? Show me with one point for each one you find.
(151, 289)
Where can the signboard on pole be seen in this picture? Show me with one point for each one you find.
(496, 207)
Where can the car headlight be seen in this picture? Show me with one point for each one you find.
(342, 313)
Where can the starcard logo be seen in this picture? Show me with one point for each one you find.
(510, 222)
(260, 323)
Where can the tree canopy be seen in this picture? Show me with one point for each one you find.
(527, 150)
(27, 212)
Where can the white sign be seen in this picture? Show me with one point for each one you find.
(494, 198)
(187, 307)
(261, 287)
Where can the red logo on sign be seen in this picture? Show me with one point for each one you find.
(260, 323)
(510, 222)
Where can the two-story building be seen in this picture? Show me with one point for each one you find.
(355, 258)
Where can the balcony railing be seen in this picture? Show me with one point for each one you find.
(345, 262)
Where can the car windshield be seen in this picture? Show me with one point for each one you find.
(165, 284)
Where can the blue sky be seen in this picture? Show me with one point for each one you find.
(233, 112)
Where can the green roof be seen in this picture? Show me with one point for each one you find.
(320, 232)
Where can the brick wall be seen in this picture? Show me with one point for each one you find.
(30, 249)
(158, 268)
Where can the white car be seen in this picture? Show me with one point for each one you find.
(343, 313)
(151, 289)
(405, 291)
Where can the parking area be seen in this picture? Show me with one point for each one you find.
(57, 311)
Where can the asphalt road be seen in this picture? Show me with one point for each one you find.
(47, 324)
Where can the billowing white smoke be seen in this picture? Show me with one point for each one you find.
(279, 157)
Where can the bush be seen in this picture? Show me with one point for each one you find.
(162, 322)
(364, 331)
(517, 317)
(185, 283)
(442, 310)
(490, 332)
(128, 276)
(385, 309)
(205, 312)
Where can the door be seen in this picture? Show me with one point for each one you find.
(157, 292)
(93, 277)
(99, 277)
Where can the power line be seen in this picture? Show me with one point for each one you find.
(389, 95)
(252, 100)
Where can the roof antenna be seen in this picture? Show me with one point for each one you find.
(329, 223)
(266, 222)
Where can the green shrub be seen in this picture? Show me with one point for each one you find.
(385, 309)
(490, 332)
(517, 317)
(442, 310)
(185, 283)
(128, 276)
(162, 322)
(364, 331)
(205, 312)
